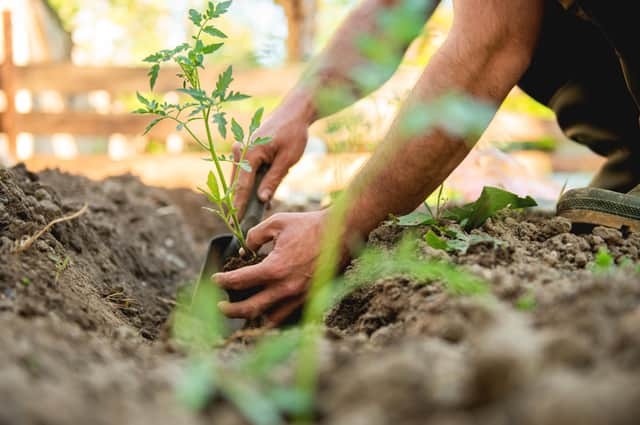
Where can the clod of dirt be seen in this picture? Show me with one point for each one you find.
(235, 263)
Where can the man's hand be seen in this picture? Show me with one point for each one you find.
(286, 272)
(288, 130)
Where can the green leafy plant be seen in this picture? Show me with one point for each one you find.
(207, 108)
(439, 203)
(491, 200)
(603, 261)
(459, 241)
(471, 215)
(526, 302)
(405, 260)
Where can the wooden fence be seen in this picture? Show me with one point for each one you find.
(68, 79)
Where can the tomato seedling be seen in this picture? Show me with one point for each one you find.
(207, 108)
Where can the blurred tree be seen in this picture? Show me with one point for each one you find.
(301, 27)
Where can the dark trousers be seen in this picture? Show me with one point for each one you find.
(585, 71)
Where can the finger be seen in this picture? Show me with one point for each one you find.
(282, 312)
(272, 180)
(246, 277)
(262, 233)
(254, 306)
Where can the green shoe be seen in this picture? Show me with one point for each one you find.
(602, 207)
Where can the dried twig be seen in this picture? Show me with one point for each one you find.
(22, 246)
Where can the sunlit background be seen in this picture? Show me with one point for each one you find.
(522, 151)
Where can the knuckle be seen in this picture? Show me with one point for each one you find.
(252, 235)
(278, 218)
(291, 288)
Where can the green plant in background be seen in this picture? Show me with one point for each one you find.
(470, 216)
(459, 242)
(405, 259)
(491, 200)
(207, 108)
(527, 302)
(603, 261)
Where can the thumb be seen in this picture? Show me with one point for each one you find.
(272, 180)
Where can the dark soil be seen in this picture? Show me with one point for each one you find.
(82, 343)
(235, 263)
(573, 358)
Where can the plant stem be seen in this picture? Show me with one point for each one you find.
(439, 200)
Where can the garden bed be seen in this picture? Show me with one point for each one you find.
(84, 334)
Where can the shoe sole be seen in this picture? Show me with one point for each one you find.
(601, 207)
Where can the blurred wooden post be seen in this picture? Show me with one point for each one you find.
(300, 27)
(7, 76)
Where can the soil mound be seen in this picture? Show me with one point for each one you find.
(119, 263)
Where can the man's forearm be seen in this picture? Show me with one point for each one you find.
(335, 79)
(407, 167)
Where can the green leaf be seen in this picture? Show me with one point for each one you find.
(153, 75)
(270, 352)
(196, 94)
(234, 95)
(212, 184)
(256, 120)
(262, 141)
(291, 400)
(155, 57)
(142, 99)
(238, 132)
(195, 17)
(152, 124)
(211, 9)
(221, 121)
(210, 48)
(416, 219)
(434, 241)
(603, 261)
(526, 302)
(224, 80)
(251, 402)
(487, 205)
(197, 386)
(211, 30)
(222, 8)
(209, 195)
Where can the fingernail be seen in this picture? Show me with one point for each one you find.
(215, 276)
(222, 304)
(265, 194)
